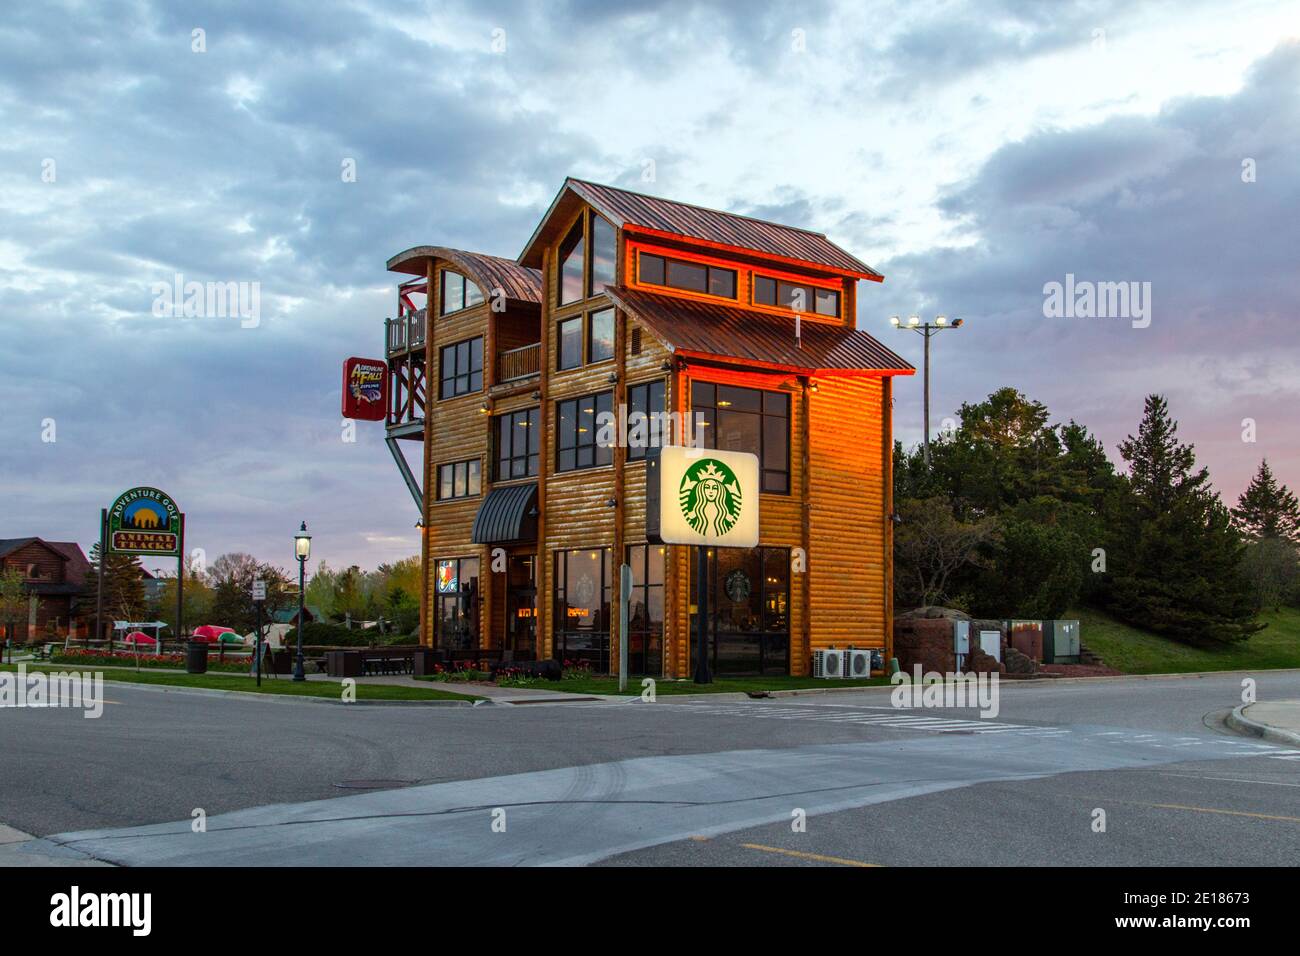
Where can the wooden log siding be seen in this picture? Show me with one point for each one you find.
(847, 564)
(426, 577)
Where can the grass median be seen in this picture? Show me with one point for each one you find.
(282, 686)
(1134, 651)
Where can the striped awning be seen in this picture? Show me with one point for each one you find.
(508, 513)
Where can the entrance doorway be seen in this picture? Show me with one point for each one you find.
(521, 607)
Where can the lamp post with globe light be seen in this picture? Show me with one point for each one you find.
(302, 550)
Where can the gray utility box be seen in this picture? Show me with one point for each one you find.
(1060, 642)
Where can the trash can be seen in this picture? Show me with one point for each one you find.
(196, 658)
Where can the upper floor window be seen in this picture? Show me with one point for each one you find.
(585, 340)
(796, 296)
(517, 442)
(461, 368)
(460, 479)
(576, 431)
(572, 259)
(458, 293)
(644, 402)
(748, 420)
(691, 276)
(603, 255)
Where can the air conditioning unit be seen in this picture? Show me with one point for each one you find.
(858, 663)
(828, 665)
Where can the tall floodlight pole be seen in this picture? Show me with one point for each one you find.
(927, 329)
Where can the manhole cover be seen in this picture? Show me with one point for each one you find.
(373, 784)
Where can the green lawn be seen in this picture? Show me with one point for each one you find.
(281, 685)
(1140, 652)
(663, 686)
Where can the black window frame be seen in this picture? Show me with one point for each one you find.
(589, 340)
(775, 649)
(777, 285)
(468, 288)
(596, 652)
(470, 375)
(709, 270)
(559, 342)
(654, 436)
(710, 410)
(465, 604)
(529, 454)
(472, 467)
(571, 442)
(640, 558)
(578, 244)
(591, 280)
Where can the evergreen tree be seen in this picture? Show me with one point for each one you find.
(124, 598)
(1175, 560)
(1267, 510)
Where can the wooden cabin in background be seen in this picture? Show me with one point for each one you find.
(501, 368)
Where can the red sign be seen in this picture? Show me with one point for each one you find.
(365, 389)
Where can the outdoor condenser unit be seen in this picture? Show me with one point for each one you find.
(828, 665)
(859, 663)
(1060, 642)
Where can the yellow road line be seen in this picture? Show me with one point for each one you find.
(1231, 813)
(808, 856)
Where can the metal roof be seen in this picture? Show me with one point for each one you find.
(519, 283)
(632, 210)
(508, 513)
(729, 332)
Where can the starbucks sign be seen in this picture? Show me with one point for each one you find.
(702, 496)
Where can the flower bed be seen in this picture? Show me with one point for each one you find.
(129, 659)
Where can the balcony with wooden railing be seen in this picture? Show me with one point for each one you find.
(516, 364)
(406, 332)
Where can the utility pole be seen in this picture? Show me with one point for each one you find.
(928, 330)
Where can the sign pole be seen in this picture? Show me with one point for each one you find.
(180, 583)
(259, 597)
(702, 675)
(103, 558)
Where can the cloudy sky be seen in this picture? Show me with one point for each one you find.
(972, 152)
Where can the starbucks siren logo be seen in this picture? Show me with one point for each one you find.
(710, 497)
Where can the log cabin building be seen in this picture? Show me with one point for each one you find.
(501, 369)
(54, 574)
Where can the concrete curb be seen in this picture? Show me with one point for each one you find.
(1239, 722)
(292, 699)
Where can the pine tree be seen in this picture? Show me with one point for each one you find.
(1267, 510)
(1175, 559)
(123, 588)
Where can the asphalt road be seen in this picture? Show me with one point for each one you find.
(681, 781)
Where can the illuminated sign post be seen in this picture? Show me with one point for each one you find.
(706, 497)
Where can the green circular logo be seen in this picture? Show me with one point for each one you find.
(710, 498)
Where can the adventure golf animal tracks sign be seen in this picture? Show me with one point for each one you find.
(144, 521)
(702, 496)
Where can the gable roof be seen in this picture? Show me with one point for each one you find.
(518, 282)
(703, 329)
(79, 567)
(653, 215)
(9, 545)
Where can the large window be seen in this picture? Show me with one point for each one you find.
(603, 254)
(573, 349)
(576, 431)
(645, 406)
(645, 613)
(461, 368)
(600, 336)
(460, 479)
(581, 624)
(517, 442)
(796, 296)
(690, 276)
(458, 292)
(456, 615)
(568, 349)
(749, 610)
(572, 259)
(749, 420)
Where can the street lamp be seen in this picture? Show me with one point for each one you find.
(914, 324)
(302, 549)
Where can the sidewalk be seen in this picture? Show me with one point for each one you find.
(1277, 720)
